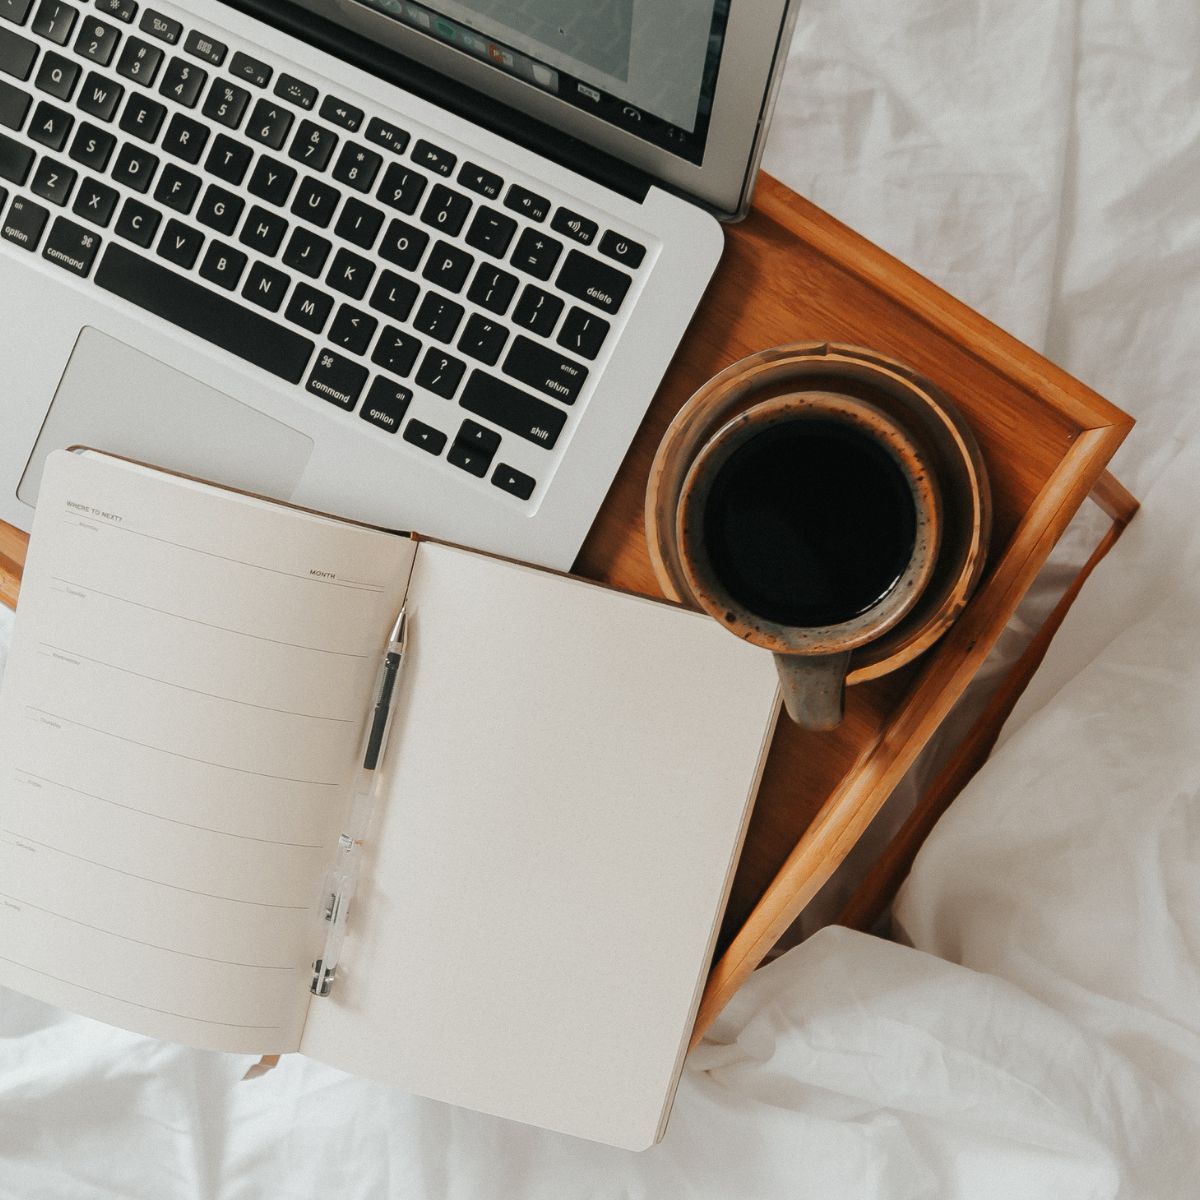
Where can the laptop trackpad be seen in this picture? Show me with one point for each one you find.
(112, 397)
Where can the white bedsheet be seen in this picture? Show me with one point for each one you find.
(1041, 161)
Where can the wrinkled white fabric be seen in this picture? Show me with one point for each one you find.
(1042, 162)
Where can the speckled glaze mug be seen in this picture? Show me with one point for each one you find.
(810, 524)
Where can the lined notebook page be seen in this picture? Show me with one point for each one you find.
(179, 721)
(571, 773)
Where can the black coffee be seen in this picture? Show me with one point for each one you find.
(810, 523)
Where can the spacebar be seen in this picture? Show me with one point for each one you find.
(239, 330)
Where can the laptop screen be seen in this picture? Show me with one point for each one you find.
(648, 67)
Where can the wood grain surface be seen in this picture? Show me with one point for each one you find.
(791, 273)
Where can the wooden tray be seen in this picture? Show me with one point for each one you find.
(791, 273)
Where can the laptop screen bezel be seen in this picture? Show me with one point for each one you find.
(755, 49)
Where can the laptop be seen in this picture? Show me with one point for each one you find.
(419, 264)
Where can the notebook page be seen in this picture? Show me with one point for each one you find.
(571, 773)
(180, 717)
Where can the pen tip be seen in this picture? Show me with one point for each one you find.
(400, 627)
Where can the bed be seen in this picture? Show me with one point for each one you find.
(1034, 1028)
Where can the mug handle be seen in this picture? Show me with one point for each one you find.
(814, 688)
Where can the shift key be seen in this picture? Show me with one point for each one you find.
(15, 160)
(513, 409)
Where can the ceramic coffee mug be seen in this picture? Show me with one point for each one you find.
(827, 504)
(810, 524)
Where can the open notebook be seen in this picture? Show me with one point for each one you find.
(569, 779)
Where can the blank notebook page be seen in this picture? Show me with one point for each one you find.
(572, 770)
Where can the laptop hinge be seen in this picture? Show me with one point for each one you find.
(483, 110)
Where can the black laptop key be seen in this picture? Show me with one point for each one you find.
(306, 252)
(223, 265)
(352, 329)
(265, 287)
(250, 69)
(390, 137)
(350, 274)
(99, 97)
(295, 91)
(50, 125)
(474, 462)
(394, 296)
(177, 188)
(338, 112)
(536, 253)
(572, 225)
(528, 204)
(185, 138)
(491, 232)
(142, 117)
(54, 182)
(57, 76)
(438, 317)
(478, 437)
(316, 202)
(269, 123)
(403, 245)
(624, 250)
(138, 223)
(402, 188)
(478, 179)
(205, 48)
(545, 370)
(425, 436)
(583, 333)
(445, 210)
(492, 288)
(263, 231)
(426, 154)
(483, 339)
(513, 409)
(24, 223)
(71, 246)
(313, 145)
(17, 54)
(515, 482)
(15, 11)
(166, 29)
(338, 380)
(226, 103)
(593, 282)
(397, 351)
(54, 20)
(357, 167)
(180, 244)
(14, 105)
(208, 315)
(97, 41)
(359, 223)
(448, 267)
(386, 403)
(309, 308)
(220, 210)
(441, 373)
(183, 82)
(272, 180)
(96, 202)
(227, 160)
(119, 10)
(538, 311)
(135, 167)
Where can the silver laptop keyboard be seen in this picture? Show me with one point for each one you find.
(383, 273)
